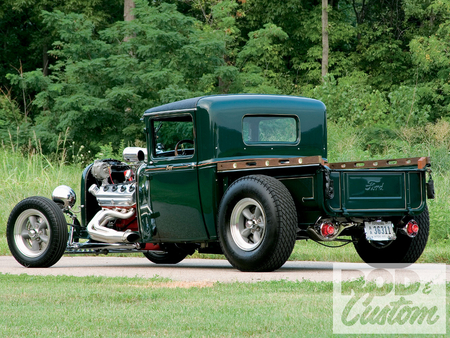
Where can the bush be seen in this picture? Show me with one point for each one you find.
(352, 100)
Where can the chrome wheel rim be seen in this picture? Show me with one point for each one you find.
(248, 224)
(32, 233)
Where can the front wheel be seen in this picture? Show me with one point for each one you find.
(257, 223)
(37, 232)
(401, 250)
(172, 255)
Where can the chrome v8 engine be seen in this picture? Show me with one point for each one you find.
(121, 195)
(116, 195)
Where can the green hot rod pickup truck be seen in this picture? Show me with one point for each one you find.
(242, 175)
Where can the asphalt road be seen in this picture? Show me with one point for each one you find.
(202, 270)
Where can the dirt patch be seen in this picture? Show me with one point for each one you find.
(177, 284)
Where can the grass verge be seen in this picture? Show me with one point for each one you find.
(37, 306)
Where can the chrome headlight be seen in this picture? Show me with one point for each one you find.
(64, 196)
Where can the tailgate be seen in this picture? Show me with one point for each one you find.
(378, 191)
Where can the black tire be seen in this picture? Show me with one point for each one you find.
(173, 255)
(37, 232)
(404, 249)
(264, 239)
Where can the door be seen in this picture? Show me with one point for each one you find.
(171, 173)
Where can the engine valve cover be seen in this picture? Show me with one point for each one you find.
(115, 195)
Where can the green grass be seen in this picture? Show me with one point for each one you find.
(31, 175)
(37, 306)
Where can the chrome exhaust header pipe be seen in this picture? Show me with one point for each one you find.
(99, 232)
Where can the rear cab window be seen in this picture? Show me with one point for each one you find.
(276, 129)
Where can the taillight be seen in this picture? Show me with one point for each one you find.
(411, 228)
(328, 229)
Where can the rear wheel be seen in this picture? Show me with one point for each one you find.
(257, 223)
(37, 232)
(404, 249)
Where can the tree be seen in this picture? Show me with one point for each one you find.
(430, 55)
(101, 84)
(325, 46)
(128, 6)
(25, 39)
(369, 60)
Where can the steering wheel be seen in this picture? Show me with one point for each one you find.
(178, 144)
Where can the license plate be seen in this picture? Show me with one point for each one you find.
(379, 231)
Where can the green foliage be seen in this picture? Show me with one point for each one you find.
(405, 109)
(429, 53)
(388, 62)
(260, 61)
(352, 99)
(264, 48)
(108, 151)
(100, 86)
(223, 14)
(377, 139)
(25, 39)
(9, 111)
(14, 126)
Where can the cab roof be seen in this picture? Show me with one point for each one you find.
(188, 104)
(194, 103)
(218, 121)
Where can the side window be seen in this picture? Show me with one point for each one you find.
(270, 129)
(173, 136)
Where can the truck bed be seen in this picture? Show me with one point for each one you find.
(394, 187)
(387, 187)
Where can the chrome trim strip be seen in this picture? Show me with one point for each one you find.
(267, 168)
(156, 113)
